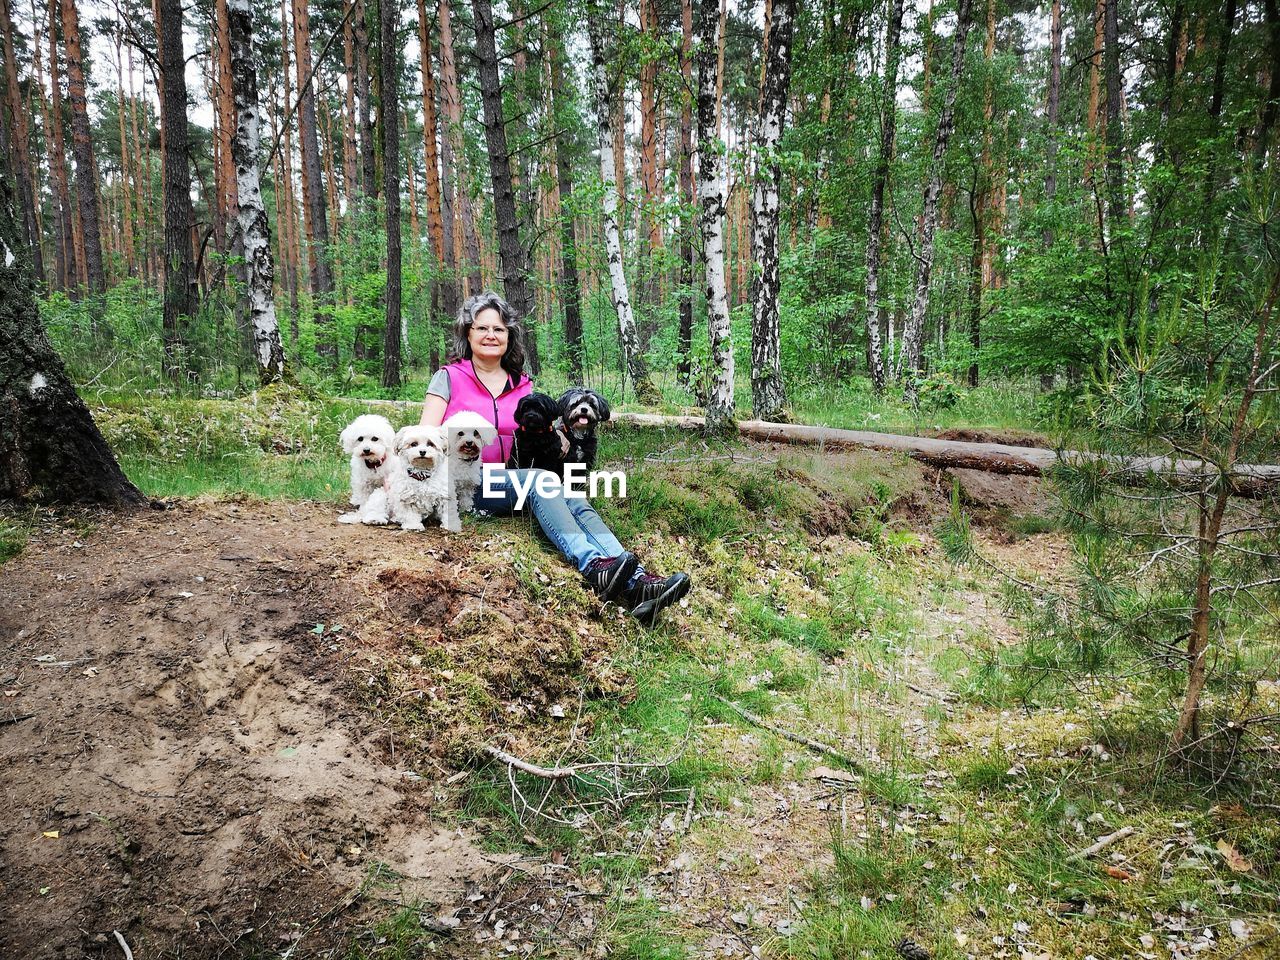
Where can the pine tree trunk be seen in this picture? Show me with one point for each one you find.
(570, 294)
(228, 193)
(21, 145)
(431, 161)
(1271, 105)
(350, 143)
(368, 159)
(179, 265)
(711, 198)
(768, 396)
(50, 448)
(313, 198)
(388, 118)
(466, 242)
(64, 243)
(1116, 205)
(685, 333)
(879, 182)
(628, 338)
(514, 266)
(651, 224)
(82, 148)
(913, 336)
(126, 218)
(1051, 111)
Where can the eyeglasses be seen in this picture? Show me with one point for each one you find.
(484, 331)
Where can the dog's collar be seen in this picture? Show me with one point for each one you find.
(419, 475)
(375, 465)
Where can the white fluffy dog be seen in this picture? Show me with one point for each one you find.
(368, 441)
(421, 488)
(468, 434)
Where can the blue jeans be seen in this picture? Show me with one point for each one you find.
(571, 523)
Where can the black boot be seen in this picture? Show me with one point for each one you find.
(608, 576)
(651, 593)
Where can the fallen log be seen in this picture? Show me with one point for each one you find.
(1248, 480)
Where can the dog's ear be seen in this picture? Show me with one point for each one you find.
(401, 434)
(523, 405)
(348, 439)
(567, 399)
(602, 405)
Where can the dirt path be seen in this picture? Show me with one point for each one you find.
(183, 762)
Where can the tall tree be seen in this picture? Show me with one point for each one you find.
(650, 220)
(228, 194)
(368, 171)
(64, 250)
(628, 337)
(515, 279)
(254, 231)
(444, 293)
(389, 68)
(570, 295)
(879, 181)
(82, 148)
(315, 218)
(466, 243)
(768, 395)
(21, 144)
(179, 265)
(711, 199)
(913, 336)
(1112, 138)
(685, 333)
(50, 448)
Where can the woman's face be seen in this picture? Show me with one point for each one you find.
(488, 335)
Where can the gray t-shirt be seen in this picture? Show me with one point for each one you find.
(439, 385)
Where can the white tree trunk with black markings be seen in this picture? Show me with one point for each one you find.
(627, 334)
(888, 132)
(768, 395)
(255, 231)
(913, 335)
(711, 203)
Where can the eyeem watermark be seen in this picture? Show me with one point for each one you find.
(577, 483)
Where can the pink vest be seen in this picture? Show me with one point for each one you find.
(466, 392)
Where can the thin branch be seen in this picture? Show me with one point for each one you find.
(816, 745)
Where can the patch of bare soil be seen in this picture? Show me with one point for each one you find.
(191, 760)
(1008, 494)
(1010, 438)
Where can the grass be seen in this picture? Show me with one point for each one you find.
(814, 606)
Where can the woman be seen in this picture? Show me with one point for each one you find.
(488, 378)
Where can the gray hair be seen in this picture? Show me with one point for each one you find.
(513, 359)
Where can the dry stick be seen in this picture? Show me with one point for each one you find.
(815, 745)
(5, 721)
(128, 954)
(553, 773)
(1102, 844)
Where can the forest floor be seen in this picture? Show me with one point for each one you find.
(233, 727)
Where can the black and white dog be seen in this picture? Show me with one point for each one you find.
(580, 412)
(537, 442)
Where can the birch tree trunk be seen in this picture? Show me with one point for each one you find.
(179, 265)
(388, 109)
(82, 148)
(21, 145)
(711, 200)
(768, 395)
(913, 335)
(879, 182)
(255, 232)
(628, 337)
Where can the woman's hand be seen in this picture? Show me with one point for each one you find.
(564, 443)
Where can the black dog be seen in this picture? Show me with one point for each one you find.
(580, 411)
(537, 442)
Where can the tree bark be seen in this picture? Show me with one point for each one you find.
(467, 244)
(254, 230)
(64, 243)
(1051, 112)
(685, 333)
(21, 145)
(368, 161)
(313, 206)
(628, 338)
(711, 198)
(650, 223)
(913, 336)
(1116, 205)
(388, 117)
(570, 294)
(82, 148)
(179, 265)
(879, 182)
(227, 177)
(768, 396)
(431, 161)
(50, 448)
(515, 278)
